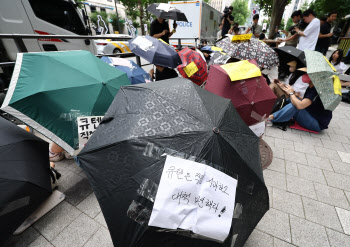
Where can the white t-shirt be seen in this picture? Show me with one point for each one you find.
(300, 87)
(311, 32)
(340, 67)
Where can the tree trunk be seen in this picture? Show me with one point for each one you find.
(141, 17)
(278, 7)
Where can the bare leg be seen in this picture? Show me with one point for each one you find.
(55, 148)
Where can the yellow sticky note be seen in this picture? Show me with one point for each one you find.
(241, 70)
(163, 41)
(242, 37)
(190, 69)
(329, 63)
(336, 85)
(214, 48)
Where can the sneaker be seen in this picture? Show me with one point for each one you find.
(68, 156)
(269, 123)
(55, 157)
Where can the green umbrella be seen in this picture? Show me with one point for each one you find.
(49, 90)
(321, 73)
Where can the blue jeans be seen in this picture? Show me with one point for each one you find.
(303, 117)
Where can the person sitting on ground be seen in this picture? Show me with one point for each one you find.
(163, 73)
(336, 61)
(262, 35)
(308, 112)
(56, 153)
(294, 80)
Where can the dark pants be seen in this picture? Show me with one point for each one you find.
(322, 49)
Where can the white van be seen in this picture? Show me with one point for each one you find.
(203, 22)
(43, 17)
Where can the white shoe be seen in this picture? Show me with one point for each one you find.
(68, 156)
(269, 123)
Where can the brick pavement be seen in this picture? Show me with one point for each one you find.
(308, 183)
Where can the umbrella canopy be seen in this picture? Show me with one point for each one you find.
(219, 58)
(49, 90)
(321, 73)
(264, 55)
(135, 73)
(155, 51)
(166, 11)
(24, 176)
(179, 115)
(252, 97)
(193, 66)
(287, 54)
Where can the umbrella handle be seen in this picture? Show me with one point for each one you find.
(106, 120)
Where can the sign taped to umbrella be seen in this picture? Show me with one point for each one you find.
(194, 197)
(86, 127)
(241, 70)
(190, 69)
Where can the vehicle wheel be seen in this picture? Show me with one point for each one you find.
(116, 51)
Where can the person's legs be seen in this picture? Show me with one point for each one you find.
(55, 153)
(304, 118)
(285, 114)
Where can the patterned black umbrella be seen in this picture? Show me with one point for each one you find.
(181, 117)
(264, 55)
(166, 11)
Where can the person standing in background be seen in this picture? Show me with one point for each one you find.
(324, 38)
(160, 29)
(227, 21)
(308, 37)
(218, 35)
(255, 28)
(292, 36)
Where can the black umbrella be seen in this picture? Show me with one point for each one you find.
(24, 176)
(287, 54)
(155, 51)
(184, 118)
(166, 11)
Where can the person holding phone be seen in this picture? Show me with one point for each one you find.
(160, 29)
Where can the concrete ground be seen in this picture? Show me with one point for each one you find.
(308, 183)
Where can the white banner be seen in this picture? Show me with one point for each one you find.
(86, 127)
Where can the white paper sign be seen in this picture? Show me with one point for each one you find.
(86, 127)
(196, 197)
(258, 129)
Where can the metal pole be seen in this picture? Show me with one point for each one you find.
(20, 44)
(179, 44)
(138, 61)
(116, 11)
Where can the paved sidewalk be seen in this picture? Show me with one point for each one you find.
(308, 183)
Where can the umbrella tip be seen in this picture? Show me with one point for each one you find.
(104, 83)
(216, 130)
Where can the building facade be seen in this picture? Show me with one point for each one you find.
(107, 6)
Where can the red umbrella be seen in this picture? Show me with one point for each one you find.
(252, 97)
(199, 65)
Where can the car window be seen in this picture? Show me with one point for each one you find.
(60, 13)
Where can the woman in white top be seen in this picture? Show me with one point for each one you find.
(294, 80)
(335, 60)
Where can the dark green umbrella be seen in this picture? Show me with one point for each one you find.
(49, 90)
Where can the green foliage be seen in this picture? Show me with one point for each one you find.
(289, 23)
(240, 11)
(323, 7)
(115, 21)
(266, 6)
(104, 15)
(80, 3)
(304, 7)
